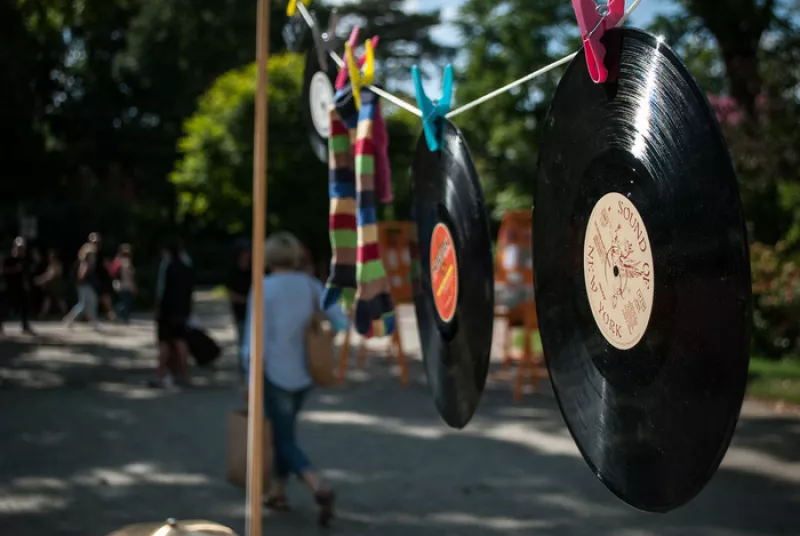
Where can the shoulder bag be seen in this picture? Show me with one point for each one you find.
(319, 346)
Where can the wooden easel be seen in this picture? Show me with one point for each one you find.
(516, 275)
(394, 238)
(395, 349)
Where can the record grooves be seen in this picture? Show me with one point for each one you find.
(454, 292)
(642, 274)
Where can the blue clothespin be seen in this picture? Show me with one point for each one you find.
(432, 113)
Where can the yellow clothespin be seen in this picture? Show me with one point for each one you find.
(292, 7)
(357, 81)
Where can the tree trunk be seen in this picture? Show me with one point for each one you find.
(738, 27)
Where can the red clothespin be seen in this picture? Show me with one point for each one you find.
(594, 19)
(341, 78)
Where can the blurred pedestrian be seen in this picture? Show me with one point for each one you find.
(104, 286)
(290, 298)
(86, 286)
(238, 287)
(124, 275)
(52, 284)
(172, 312)
(18, 276)
(38, 266)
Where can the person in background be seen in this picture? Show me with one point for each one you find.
(86, 285)
(18, 276)
(104, 284)
(238, 287)
(3, 294)
(173, 309)
(52, 284)
(124, 275)
(38, 267)
(289, 303)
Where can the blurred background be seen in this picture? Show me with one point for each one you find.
(134, 119)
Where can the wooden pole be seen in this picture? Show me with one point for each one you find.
(255, 423)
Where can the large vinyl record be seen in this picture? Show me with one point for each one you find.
(454, 293)
(642, 274)
(318, 92)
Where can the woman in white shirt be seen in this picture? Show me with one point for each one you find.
(290, 295)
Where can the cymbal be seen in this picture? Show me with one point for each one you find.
(172, 527)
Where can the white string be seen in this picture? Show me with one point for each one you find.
(480, 100)
(340, 62)
(535, 74)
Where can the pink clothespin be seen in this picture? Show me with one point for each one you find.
(341, 78)
(594, 19)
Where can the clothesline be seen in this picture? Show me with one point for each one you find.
(480, 100)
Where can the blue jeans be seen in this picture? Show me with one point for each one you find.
(282, 408)
(125, 305)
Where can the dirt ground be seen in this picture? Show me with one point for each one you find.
(86, 447)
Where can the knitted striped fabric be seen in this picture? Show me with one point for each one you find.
(341, 284)
(374, 311)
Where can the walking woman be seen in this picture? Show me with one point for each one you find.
(289, 297)
(124, 282)
(52, 284)
(173, 309)
(86, 285)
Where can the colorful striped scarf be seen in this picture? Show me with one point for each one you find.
(356, 266)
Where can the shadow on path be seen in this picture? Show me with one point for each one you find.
(95, 450)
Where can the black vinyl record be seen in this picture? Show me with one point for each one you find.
(318, 94)
(642, 273)
(454, 293)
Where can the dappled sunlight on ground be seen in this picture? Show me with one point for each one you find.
(86, 448)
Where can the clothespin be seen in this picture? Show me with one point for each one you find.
(594, 19)
(433, 113)
(341, 78)
(357, 80)
(291, 7)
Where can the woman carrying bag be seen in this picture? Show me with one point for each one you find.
(291, 317)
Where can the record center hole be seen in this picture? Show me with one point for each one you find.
(616, 272)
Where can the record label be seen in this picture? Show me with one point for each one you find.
(444, 273)
(618, 270)
(320, 97)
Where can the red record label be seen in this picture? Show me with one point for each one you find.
(444, 273)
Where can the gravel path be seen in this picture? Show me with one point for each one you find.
(85, 448)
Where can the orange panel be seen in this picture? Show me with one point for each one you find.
(394, 237)
(513, 278)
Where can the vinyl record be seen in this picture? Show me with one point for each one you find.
(642, 274)
(318, 92)
(454, 293)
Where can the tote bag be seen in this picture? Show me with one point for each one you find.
(319, 346)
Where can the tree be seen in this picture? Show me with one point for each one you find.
(405, 37)
(738, 30)
(506, 41)
(30, 51)
(214, 175)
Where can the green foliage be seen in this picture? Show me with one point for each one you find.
(214, 177)
(505, 41)
(405, 37)
(775, 379)
(404, 131)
